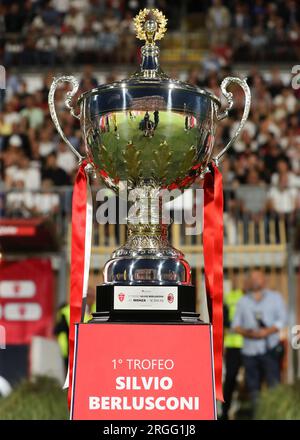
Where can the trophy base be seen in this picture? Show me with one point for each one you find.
(138, 317)
(145, 303)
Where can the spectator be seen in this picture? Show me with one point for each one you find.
(62, 325)
(272, 156)
(18, 139)
(10, 115)
(47, 202)
(108, 41)
(110, 21)
(245, 143)
(5, 127)
(52, 172)
(75, 19)
(14, 19)
(32, 113)
(282, 198)
(2, 19)
(61, 6)
(259, 11)
(73, 136)
(47, 45)
(68, 44)
(18, 202)
(233, 343)
(241, 19)
(15, 141)
(291, 12)
(29, 53)
(88, 77)
(65, 158)
(252, 195)
(218, 21)
(23, 171)
(258, 41)
(13, 48)
(275, 84)
(12, 84)
(283, 168)
(259, 317)
(46, 142)
(87, 45)
(93, 24)
(50, 15)
(127, 41)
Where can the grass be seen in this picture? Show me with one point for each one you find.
(40, 399)
(44, 399)
(280, 403)
(170, 134)
(170, 129)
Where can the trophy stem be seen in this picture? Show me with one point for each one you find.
(145, 206)
(147, 257)
(146, 228)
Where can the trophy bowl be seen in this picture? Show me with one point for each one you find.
(153, 133)
(156, 130)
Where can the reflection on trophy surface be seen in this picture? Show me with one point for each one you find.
(154, 133)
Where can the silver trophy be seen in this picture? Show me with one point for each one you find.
(154, 133)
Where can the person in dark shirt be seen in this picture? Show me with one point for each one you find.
(156, 118)
(14, 19)
(273, 154)
(146, 120)
(50, 16)
(51, 171)
(89, 80)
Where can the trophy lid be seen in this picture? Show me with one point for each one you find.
(151, 26)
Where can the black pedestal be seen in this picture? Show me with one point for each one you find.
(106, 310)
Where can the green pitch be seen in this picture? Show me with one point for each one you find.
(170, 142)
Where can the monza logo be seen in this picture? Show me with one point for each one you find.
(121, 296)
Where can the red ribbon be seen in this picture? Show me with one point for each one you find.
(79, 206)
(213, 264)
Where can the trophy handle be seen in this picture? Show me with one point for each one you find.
(228, 95)
(68, 99)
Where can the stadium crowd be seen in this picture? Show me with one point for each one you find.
(50, 32)
(262, 171)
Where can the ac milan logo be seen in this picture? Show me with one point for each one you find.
(170, 298)
(121, 296)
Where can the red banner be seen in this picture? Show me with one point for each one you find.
(26, 299)
(143, 371)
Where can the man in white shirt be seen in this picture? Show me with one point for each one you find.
(46, 202)
(68, 44)
(260, 316)
(24, 172)
(76, 19)
(283, 199)
(65, 158)
(282, 166)
(32, 113)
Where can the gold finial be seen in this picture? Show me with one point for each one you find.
(150, 25)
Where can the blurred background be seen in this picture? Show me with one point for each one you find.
(95, 41)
